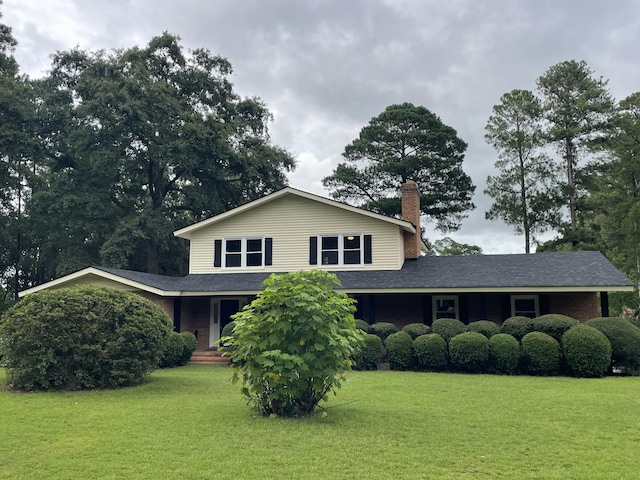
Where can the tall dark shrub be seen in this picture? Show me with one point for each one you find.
(625, 342)
(517, 326)
(82, 338)
(399, 347)
(368, 353)
(469, 352)
(430, 352)
(448, 328)
(540, 354)
(553, 324)
(504, 354)
(485, 327)
(383, 329)
(587, 351)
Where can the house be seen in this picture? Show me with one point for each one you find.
(381, 261)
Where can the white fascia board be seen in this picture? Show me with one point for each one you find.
(99, 273)
(453, 291)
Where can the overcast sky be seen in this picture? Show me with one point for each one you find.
(325, 68)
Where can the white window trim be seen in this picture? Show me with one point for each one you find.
(243, 253)
(535, 298)
(435, 298)
(341, 237)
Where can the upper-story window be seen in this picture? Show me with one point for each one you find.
(340, 249)
(242, 252)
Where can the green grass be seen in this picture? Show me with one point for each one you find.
(191, 423)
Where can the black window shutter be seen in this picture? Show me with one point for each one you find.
(313, 250)
(217, 253)
(367, 249)
(268, 248)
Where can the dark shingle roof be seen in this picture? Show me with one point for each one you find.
(554, 270)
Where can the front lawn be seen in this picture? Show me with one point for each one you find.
(191, 423)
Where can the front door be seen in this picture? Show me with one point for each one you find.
(221, 311)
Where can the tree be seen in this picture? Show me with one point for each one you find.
(294, 342)
(141, 142)
(448, 246)
(578, 108)
(615, 189)
(525, 193)
(406, 142)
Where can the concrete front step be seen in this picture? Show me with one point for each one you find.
(208, 357)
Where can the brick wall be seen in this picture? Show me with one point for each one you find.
(399, 309)
(194, 318)
(581, 306)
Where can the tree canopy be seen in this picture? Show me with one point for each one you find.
(110, 152)
(406, 142)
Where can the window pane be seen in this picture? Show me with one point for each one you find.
(233, 260)
(352, 257)
(254, 259)
(352, 242)
(329, 243)
(234, 245)
(329, 258)
(254, 245)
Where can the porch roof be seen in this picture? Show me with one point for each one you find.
(541, 272)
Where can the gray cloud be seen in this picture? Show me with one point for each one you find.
(325, 68)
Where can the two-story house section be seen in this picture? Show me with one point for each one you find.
(381, 261)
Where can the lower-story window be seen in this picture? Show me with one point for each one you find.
(525, 306)
(445, 306)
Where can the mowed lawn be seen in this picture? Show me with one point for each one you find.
(191, 423)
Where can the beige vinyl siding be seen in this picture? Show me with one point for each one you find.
(290, 221)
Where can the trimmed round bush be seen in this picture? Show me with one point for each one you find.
(553, 324)
(178, 349)
(448, 328)
(227, 330)
(504, 354)
(416, 329)
(625, 342)
(540, 354)
(485, 327)
(587, 351)
(362, 325)
(383, 329)
(517, 326)
(368, 354)
(430, 352)
(469, 352)
(82, 338)
(399, 347)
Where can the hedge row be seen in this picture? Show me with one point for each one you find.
(547, 345)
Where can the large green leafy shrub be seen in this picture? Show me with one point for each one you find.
(416, 329)
(625, 342)
(517, 326)
(469, 352)
(430, 352)
(485, 327)
(368, 353)
(82, 338)
(587, 351)
(448, 328)
(382, 329)
(178, 349)
(504, 354)
(294, 342)
(553, 324)
(540, 354)
(399, 347)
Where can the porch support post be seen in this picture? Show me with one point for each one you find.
(604, 303)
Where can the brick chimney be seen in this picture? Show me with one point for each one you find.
(410, 196)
